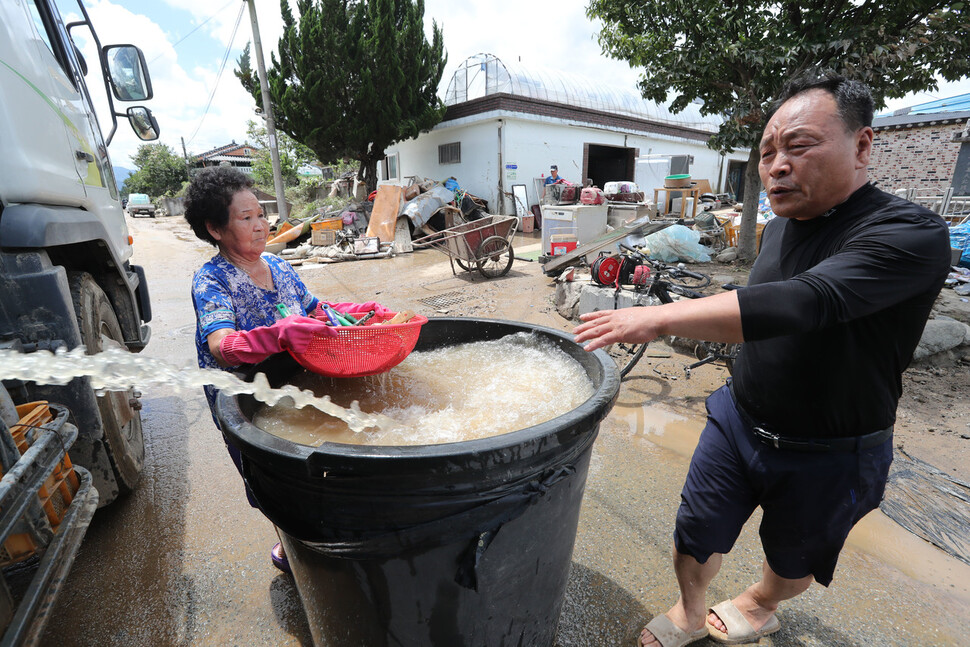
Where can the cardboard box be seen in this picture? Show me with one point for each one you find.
(323, 237)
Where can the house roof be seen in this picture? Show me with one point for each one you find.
(910, 120)
(955, 109)
(958, 103)
(226, 158)
(235, 150)
(484, 75)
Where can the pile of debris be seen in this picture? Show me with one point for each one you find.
(378, 227)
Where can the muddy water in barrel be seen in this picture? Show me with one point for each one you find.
(445, 395)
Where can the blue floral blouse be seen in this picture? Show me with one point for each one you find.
(225, 297)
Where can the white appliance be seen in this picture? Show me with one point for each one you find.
(586, 221)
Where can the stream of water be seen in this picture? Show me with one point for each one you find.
(116, 369)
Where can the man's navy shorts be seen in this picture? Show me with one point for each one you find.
(810, 499)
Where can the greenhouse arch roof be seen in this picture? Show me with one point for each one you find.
(484, 74)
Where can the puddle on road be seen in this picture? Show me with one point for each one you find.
(660, 426)
(877, 535)
(887, 541)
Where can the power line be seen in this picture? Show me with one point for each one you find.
(221, 68)
(200, 26)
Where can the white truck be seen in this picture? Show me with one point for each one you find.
(65, 275)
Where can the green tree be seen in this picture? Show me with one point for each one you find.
(160, 171)
(293, 155)
(735, 56)
(353, 77)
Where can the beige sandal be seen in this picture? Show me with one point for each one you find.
(739, 630)
(670, 635)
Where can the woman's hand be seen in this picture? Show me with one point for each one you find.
(605, 327)
(253, 346)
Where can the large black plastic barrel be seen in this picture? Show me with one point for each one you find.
(451, 545)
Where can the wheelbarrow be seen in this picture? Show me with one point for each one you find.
(484, 244)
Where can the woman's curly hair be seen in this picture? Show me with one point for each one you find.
(209, 196)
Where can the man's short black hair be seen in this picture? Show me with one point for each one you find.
(853, 98)
(209, 196)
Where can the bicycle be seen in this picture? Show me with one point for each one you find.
(656, 280)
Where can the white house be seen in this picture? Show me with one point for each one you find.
(506, 125)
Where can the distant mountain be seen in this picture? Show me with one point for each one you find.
(121, 174)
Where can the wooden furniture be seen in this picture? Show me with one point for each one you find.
(690, 192)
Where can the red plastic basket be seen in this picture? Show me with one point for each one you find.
(357, 351)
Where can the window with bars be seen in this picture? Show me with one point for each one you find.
(449, 153)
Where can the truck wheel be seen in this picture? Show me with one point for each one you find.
(100, 330)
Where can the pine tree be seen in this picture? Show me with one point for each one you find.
(353, 77)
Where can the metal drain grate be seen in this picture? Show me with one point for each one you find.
(444, 300)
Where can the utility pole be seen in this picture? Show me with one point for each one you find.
(185, 156)
(268, 114)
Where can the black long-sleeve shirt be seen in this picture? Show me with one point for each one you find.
(833, 311)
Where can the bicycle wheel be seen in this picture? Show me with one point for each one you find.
(626, 356)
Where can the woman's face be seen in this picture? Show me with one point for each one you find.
(246, 232)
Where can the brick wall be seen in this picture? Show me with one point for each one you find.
(922, 157)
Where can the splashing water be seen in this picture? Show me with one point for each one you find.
(443, 395)
(115, 369)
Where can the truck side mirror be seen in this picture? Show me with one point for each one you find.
(143, 123)
(129, 73)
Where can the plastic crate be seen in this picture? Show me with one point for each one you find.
(57, 492)
(732, 231)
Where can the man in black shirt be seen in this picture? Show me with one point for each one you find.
(835, 305)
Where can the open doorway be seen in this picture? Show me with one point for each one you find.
(735, 179)
(604, 164)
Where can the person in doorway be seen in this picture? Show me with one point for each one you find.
(242, 294)
(554, 175)
(834, 308)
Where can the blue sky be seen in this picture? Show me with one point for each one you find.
(185, 42)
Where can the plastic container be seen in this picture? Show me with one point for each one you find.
(563, 243)
(335, 223)
(677, 181)
(362, 350)
(463, 543)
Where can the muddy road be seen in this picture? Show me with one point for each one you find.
(184, 560)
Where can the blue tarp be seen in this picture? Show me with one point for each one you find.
(960, 239)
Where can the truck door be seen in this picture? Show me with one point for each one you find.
(87, 144)
(38, 162)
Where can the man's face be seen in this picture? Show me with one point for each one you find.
(809, 161)
(553, 172)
